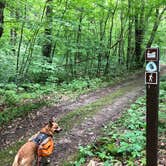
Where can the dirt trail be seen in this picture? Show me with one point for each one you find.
(89, 130)
(22, 128)
(81, 134)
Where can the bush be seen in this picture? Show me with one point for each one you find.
(11, 86)
(10, 97)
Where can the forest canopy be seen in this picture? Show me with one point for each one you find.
(59, 40)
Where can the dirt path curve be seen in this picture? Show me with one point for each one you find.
(89, 130)
(81, 134)
(22, 128)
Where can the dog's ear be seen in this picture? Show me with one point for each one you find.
(50, 123)
(53, 119)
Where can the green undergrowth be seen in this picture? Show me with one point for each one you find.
(75, 117)
(11, 113)
(123, 141)
(18, 101)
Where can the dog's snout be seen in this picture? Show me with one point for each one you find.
(58, 129)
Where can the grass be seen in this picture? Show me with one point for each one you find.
(7, 155)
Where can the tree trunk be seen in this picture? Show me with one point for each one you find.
(155, 26)
(100, 54)
(121, 42)
(47, 46)
(103, 25)
(154, 30)
(129, 35)
(2, 6)
(139, 33)
(106, 70)
(138, 41)
(78, 40)
(13, 32)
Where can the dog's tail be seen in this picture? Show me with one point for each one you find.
(16, 161)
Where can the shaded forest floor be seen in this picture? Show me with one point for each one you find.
(81, 120)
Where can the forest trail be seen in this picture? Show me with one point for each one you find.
(80, 133)
(23, 128)
(89, 130)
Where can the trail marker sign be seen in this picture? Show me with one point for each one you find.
(152, 104)
(151, 67)
(151, 77)
(152, 54)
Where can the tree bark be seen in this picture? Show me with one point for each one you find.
(103, 25)
(155, 26)
(121, 42)
(106, 70)
(13, 31)
(78, 40)
(139, 34)
(47, 46)
(129, 35)
(2, 7)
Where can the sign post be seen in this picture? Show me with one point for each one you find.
(152, 105)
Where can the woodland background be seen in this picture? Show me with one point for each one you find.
(54, 51)
(59, 40)
(49, 45)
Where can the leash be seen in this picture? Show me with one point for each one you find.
(38, 159)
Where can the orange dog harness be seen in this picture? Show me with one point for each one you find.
(45, 144)
(46, 149)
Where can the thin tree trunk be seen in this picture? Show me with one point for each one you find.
(110, 41)
(129, 35)
(102, 35)
(138, 40)
(2, 7)
(78, 39)
(13, 32)
(19, 50)
(121, 45)
(59, 29)
(47, 46)
(155, 26)
(27, 58)
(139, 33)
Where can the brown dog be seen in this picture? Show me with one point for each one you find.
(37, 145)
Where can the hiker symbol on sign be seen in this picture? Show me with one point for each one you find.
(151, 78)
